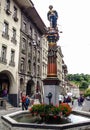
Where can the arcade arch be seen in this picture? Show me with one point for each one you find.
(7, 81)
(30, 89)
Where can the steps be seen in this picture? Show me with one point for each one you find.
(4, 104)
(8, 105)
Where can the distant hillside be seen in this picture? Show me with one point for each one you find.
(83, 80)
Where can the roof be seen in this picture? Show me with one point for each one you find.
(28, 7)
(35, 17)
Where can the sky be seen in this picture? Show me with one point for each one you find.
(74, 22)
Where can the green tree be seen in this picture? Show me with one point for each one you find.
(83, 80)
(87, 92)
(84, 85)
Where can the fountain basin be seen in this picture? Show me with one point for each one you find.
(78, 120)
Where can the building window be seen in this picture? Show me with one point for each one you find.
(3, 54)
(14, 33)
(23, 45)
(29, 66)
(35, 36)
(12, 55)
(7, 7)
(38, 56)
(5, 30)
(13, 39)
(22, 65)
(34, 69)
(8, 4)
(30, 31)
(38, 70)
(15, 14)
(12, 63)
(24, 27)
(29, 50)
(38, 40)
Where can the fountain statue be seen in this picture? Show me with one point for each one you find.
(51, 83)
(52, 17)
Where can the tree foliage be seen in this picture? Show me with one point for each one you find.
(83, 80)
(87, 92)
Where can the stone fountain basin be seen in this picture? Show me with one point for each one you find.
(82, 122)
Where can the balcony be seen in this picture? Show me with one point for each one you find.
(13, 40)
(15, 17)
(5, 35)
(12, 63)
(23, 51)
(3, 60)
(7, 9)
(8, 12)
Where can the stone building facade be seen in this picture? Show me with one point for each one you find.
(10, 19)
(64, 78)
(20, 45)
(30, 54)
(59, 68)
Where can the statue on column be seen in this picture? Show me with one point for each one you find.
(52, 16)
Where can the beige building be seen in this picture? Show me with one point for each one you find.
(73, 89)
(44, 45)
(59, 68)
(64, 79)
(59, 63)
(10, 25)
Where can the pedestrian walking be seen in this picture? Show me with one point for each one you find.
(5, 93)
(23, 100)
(72, 100)
(27, 102)
(79, 102)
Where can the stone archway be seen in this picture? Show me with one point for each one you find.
(7, 80)
(4, 83)
(30, 88)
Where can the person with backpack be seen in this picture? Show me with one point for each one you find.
(27, 102)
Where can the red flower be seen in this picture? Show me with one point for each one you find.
(55, 117)
(30, 109)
